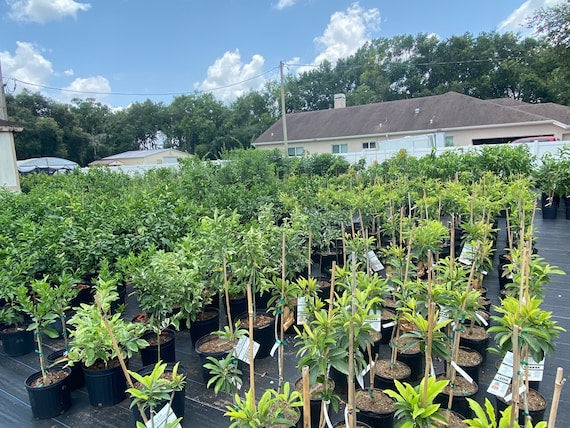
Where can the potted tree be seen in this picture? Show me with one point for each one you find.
(91, 346)
(47, 389)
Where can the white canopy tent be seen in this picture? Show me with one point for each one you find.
(48, 165)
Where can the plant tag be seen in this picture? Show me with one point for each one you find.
(326, 413)
(360, 376)
(238, 386)
(499, 385)
(164, 416)
(431, 368)
(462, 372)
(389, 324)
(483, 320)
(375, 263)
(467, 254)
(484, 272)
(242, 349)
(444, 313)
(301, 311)
(375, 320)
(535, 370)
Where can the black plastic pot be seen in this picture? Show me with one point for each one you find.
(567, 204)
(49, 401)
(548, 211)
(178, 404)
(384, 420)
(384, 382)
(122, 291)
(479, 345)
(415, 362)
(315, 404)
(204, 355)
(472, 371)
(536, 414)
(261, 300)
(76, 379)
(264, 335)
(459, 403)
(85, 295)
(106, 387)
(386, 331)
(17, 342)
(238, 305)
(202, 327)
(149, 355)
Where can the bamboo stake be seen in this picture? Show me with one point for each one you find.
(329, 319)
(309, 254)
(118, 352)
(281, 364)
(343, 245)
(515, 382)
(558, 384)
(306, 398)
(251, 357)
(351, 391)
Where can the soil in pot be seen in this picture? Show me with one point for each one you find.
(477, 339)
(211, 345)
(470, 361)
(263, 332)
(385, 372)
(386, 317)
(536, 406)
(149, 355)
(52, 398)
(17, 341)
(206, 322)
(316, 400)
(454, 419)
(76, 379)
(461, 392)
(375, 408)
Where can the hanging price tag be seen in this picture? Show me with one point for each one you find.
(375, 263)
(375, 320)
(301, 311)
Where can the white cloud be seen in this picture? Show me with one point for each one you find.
(96, 87)
(27, 65)
(346, 32)
(229, 78)
(69, 72)
(42, 11)
(516, 22)
(282, 4)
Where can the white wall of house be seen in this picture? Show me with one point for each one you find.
(9, 176)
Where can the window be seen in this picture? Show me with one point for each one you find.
(369, 145)
(295, 151)
(340, 148)
(449, 141)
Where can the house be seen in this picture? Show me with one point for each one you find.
(463, 121)
(9, 177)
(143, 157)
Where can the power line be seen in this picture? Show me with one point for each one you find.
(140, 94)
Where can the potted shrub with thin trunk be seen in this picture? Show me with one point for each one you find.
(547, 181)
(152, 391)
(48, 390)
(91, 346)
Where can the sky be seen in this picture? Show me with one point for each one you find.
(125, 51)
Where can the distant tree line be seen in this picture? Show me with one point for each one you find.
(490, 65)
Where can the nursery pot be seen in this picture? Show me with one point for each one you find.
(238, 305)
(415, 360)
(387, 317)
(106, 386)
(178, 404)
(567, 204)
(476, 342)
(122, 291)
(261, 299)
(385, 374)
(471, 368)
(548, 211)
(16, 342)
(75, 379)
(218, 352)
(205, 324)
(536, 413)
(370, 416)
(263, 334)
(149, 355)
(51, 400)
(461, 392)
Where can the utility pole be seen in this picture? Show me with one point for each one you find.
(3, 109)
(283, 113)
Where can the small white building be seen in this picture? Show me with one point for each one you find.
(143, 157)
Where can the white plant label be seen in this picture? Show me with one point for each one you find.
(483, 320)
(509, 397)
(444, 314)
(375, 320)
(389, 324)
(462, 372)
(274, 349)
(375, 263)
(432, 369)
(499, 385)
(301, 311)
(242, 349)
(467, 254)
(360, 376)
(164, 416)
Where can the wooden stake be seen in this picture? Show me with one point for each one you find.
(306, 398)
(251, 363)
(515, 382)
(227, 293)
(351, 391)
(558, 383)
(282, 321)
(118, 352)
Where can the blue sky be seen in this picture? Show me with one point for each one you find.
(125, 51)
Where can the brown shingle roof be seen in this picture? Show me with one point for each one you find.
(450, 110)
